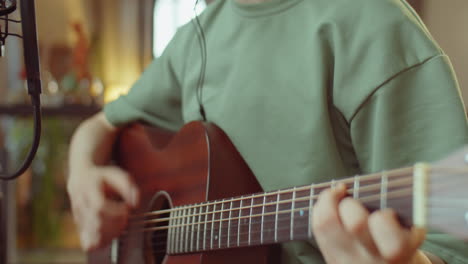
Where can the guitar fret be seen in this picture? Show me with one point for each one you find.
(229, 224)
(182, 229)
(204, 232)
(192, 226)
(291, 234)
(311, 205)
(176, 246)
(174, 232)
(301, 216)
(250, 219)
(284, 217)
(115, 248)
(170, 243)
(356, 187)
(383, 191)
(239, 221)
(268, 217)
(263, 218)
(200, 212)
(212, 226)
(179, 233)
(220, 224)
(187, 229)
(276, 216)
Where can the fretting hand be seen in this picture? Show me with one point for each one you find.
(347, 233)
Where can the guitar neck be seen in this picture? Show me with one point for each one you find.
(278, 216)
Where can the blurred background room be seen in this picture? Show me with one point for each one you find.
(90, 52)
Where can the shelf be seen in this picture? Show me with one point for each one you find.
(73, 110)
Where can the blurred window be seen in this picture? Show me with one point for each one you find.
(169, 15)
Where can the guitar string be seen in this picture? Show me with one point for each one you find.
(286, 191)
(234, 226)
(219, 212)
(218, 220)
(375, 176)
(163, 242)
(392, 194)
(224, 223)
(306, 198)
(234, 235)
(162, 238)
(201, 239)
(306, 209)
(395, 173)
(223, 237)
(305, 188)
(207, 240)
(451, 203)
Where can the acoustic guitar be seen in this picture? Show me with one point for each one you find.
(202, 204)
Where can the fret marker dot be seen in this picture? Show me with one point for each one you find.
(216, 237)
(301, 212)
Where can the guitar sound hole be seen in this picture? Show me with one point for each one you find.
(158, 238)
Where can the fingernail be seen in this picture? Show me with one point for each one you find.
(340, 187)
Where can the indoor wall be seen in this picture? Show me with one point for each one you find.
(448, 22)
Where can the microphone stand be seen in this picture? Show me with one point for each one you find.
(33, 76)
(31, 60)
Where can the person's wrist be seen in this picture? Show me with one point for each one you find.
(423, 257)
(433, 258)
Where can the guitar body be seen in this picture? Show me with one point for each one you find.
(197, 164)
(200, 202)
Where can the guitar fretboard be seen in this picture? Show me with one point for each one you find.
(278, 216)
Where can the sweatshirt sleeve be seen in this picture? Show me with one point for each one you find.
(155, 98)
(418, 115)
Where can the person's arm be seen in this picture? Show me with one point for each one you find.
(155, 98)
(99, 218)
(417, 116)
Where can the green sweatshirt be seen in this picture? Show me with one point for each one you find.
(309, 91)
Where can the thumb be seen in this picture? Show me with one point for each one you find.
(417, 237)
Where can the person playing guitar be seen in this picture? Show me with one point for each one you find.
(308, 91)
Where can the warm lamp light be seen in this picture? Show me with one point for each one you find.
(113, 91)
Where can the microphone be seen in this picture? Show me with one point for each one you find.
(6, 7)
(31, 60)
